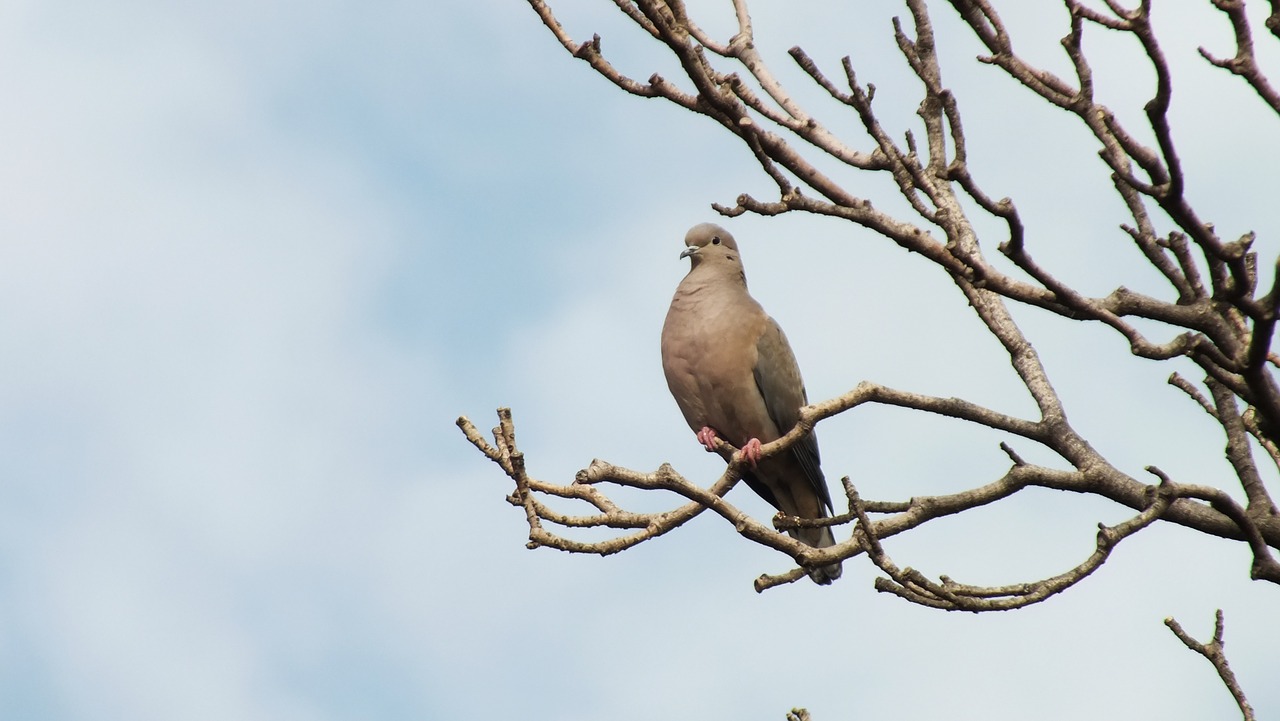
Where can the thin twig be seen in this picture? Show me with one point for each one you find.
(1213, 651)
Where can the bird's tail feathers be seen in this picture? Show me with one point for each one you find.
(819, 538)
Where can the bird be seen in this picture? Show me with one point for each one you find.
(734, 376)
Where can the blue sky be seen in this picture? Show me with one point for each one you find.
(256, 257)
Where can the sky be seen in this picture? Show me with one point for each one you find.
(257, 257)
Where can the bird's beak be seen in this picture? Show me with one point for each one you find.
(689, 251)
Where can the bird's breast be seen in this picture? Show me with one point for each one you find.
(709, 356)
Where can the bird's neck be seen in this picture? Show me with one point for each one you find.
(718, 275)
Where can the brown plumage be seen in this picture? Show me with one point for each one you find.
(733, 374)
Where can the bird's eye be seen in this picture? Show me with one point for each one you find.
(715, 240)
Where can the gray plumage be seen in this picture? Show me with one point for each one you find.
(731, 371)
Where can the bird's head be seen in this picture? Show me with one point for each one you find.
(708, 243)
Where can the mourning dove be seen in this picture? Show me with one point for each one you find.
(734, 376)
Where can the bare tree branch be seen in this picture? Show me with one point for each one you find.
(1245, 63)
(1213, 651)
(913, 586)
(1211, 312)
(1217, 515)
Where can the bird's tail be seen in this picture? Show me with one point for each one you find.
(819, 538)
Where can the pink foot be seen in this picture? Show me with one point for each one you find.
(707, 437)
(751, 451)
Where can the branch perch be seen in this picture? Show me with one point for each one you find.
(1209, 309)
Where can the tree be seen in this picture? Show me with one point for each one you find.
(1217, 312)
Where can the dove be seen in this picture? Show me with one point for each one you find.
(734, 376)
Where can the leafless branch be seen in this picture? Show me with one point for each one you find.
(1245, 63)
(1211, 313)
(1213, 651)
(1205, 509)
(1216, 317)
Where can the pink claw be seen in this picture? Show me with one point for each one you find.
(751, 451)
(707, 437)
